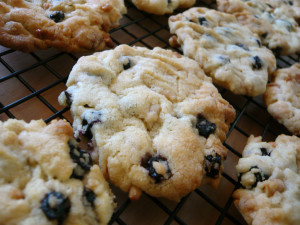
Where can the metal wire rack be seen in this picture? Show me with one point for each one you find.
(30, 84)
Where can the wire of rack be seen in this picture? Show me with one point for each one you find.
(31, 82)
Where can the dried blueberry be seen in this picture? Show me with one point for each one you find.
(257, 63)
(243, 46)
(265, 152)
(259, 176)
(147, 163)
(291, 2)
(89, 119)
(258, 42)
(202, 21)
(82, 159)
(205, 127)
(56, 206)
(89, 197)
(68, 98)
(224, 59)
(127, 65)
(213, 165)
(169, 1)
(57, 16)
(269, 6)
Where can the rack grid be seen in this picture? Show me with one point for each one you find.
(31, 82)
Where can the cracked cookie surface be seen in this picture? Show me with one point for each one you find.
(71, 25)
(155, 118)
(269, 176)
(47, 179)
(282, 97)
(275, 26)
(227, 51)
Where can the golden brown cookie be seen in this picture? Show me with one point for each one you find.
(283, 97)
(275, 26)
(269, 177)
(227, 51)
(155, 118)
(45, 178)
(70, 25)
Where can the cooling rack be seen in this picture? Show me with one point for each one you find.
(31, 82)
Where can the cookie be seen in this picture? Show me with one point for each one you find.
(161, 7)
(47, 179)
(282, 97)
(227, 51)
(276, 27)
(269, 176)
(70, 25)
(155, 118)
(293, 5)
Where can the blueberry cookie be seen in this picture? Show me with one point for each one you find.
(269, 177)
(70, 25)
(161, 7)
(292, 5)
(283, 97)
(155, 118)
(276, 27)
(45, 178)
(227, 51)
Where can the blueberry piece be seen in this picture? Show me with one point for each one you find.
(169, 1)
(57, 16)
(56, 206)
(269, 6)
(89, 197)
(68, 98)
(258, 42)
(291, 2)
(213, 165)
(257, 63)
(205, 127)
(147, 163)
(82, 159)
(259, 176)
(243, 47)
(127, 65)
(89, 119)
(265, 152)
(224, 59)
(202, 21)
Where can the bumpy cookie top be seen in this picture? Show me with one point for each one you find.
(161, 7)
(227, 51)
(70, 25)
(292, 5)
(283, 97)
(155, 117)
(276, 27)
(46, 179)
(269, 174)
